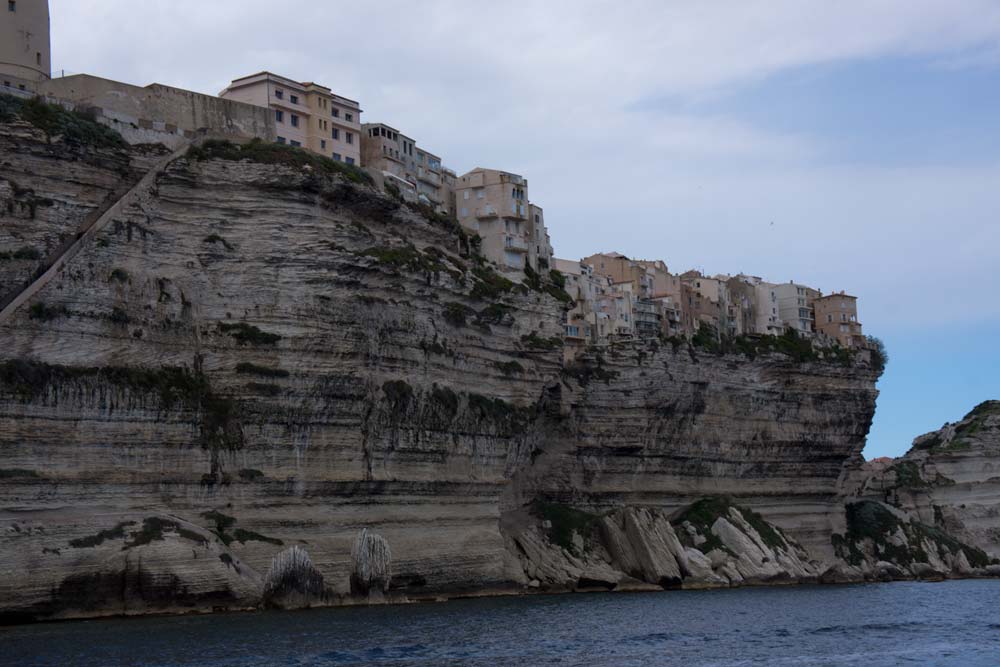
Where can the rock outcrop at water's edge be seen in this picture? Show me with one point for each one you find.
(263, 375)
(941, 501)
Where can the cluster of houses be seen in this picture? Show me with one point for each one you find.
(616, 298)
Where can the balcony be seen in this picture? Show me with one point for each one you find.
(486, 212)
(428, 177)
(515, 244)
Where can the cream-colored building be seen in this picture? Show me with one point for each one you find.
(837, 317)
(767, 320)
(584, 322)
(307, 114)
(25, 51)
(387, 151)
(795, 306)
(494, 204)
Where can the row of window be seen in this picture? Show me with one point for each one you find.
(323, 103)
(279, 116)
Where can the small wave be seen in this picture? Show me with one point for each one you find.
(652, 637)
(868, 627)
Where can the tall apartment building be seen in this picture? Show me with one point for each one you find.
(837, 317)
(25, 51)
(767, 320)
(705, 299)
(305, 114)
(387, 150)
(540, 253)
(494, 204)
(583, 321)
(795, 306)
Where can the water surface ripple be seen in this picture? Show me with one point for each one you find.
(951, 623)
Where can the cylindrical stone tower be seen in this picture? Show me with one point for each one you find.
(25, 53)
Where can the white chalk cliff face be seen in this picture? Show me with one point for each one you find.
(265, 383)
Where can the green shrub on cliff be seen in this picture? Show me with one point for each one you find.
(272, 153)
(25, 252)
(563, 522)
(74, 127)
(554, 286)
(40, 311)
(248, 368)
(871, 522)
(456, 314)
(98, 538)
(536, 342)
(490, 285)
(880, 358)
(248, 334)
(31, 378)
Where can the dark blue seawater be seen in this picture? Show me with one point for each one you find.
(950, 623)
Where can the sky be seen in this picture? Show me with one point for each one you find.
(848, 146)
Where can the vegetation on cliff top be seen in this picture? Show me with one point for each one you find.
(971, 425)
(257, 150)
(74, 127)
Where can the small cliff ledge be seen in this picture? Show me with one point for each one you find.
(265, 383)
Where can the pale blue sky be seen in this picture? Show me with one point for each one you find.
(868, 133)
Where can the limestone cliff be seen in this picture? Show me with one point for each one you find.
(264, 382)
(948, 483)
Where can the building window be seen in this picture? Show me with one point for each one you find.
(279, 116)
(295, 120)
(464, 212)
(294, 99)
(279, 94)
(322, 143)
(336, 133)
(38, 58)
(336, 156)
(335, 112)
(281, 140)
(349, 137)
(465, 194)
(12, 6)
(349, 160)
(295, 143)
(349, 117)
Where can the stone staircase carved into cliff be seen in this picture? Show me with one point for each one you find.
(117, 202)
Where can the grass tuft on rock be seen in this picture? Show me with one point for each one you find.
(264, 152)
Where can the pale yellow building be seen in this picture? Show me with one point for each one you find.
(25, 51)
(307, 114)
(494, 204)
(837, 317)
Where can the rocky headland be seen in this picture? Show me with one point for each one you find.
(255, 380)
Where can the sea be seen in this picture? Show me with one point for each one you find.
(945, 623)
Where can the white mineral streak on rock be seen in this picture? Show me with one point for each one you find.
(371, 563)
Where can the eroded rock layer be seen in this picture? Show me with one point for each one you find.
(267, 384)
(949, 480)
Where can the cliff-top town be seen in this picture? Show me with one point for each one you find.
(614, 297)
